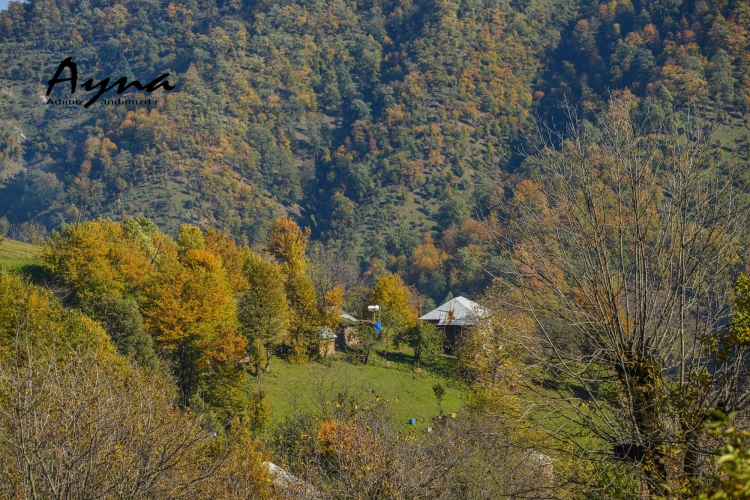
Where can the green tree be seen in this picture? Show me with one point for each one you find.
(258, 412)
(720, 80)
(364, 340)
(426, 340)
(439, 390)
(122, 320)
(263, 309)
(732, 460)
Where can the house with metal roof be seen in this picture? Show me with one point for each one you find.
(454, 316)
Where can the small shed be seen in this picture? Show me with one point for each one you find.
(327, 341)
(454, 316)
(347, 322)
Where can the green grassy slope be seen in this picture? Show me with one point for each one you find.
(14, 254)
(308, 386)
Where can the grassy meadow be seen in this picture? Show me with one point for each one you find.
(408, 392)
(15, 254)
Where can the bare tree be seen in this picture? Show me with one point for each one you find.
(76, 430)
(623, 248)
(330, 268)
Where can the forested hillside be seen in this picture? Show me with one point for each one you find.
(381, 125)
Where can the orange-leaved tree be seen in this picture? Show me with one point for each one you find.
(190, 310)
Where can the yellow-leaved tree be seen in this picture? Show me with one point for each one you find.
(393, 296)
(79, 420)
(97, 258)
(396, 313)
(288, 243)
(105, 264)
(132, 279)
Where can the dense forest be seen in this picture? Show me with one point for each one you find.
(380, 125)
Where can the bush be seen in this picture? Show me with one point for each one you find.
(426, 340)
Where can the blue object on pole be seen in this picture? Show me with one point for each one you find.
(412, 421)
(378, 327)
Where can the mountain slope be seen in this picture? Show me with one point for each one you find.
(319, 108)
(372, 122)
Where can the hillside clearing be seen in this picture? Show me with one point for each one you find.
(15, 254)
(308, 386)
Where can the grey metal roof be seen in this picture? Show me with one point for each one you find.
(348, 318)
(458, 312)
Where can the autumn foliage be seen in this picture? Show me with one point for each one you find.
(79, 420)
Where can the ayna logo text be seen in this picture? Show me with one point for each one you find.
(103, 86)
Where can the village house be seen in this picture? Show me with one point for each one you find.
(454, 317)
